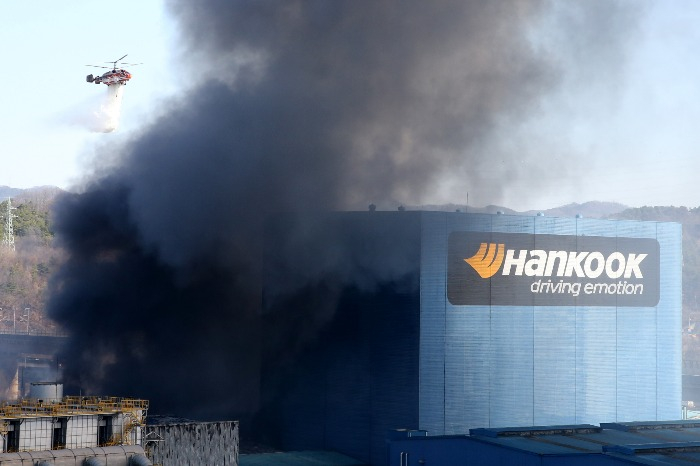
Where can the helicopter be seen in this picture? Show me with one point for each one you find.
(113, 76)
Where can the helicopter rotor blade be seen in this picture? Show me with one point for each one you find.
(117, 60)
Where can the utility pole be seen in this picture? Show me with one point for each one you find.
(25, 317)
(8, 237)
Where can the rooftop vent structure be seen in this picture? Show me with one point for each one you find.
(534, 431)
(48, 392)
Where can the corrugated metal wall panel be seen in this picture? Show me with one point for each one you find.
(555, 366)
(596, 351)
(511, 345)
(668, 347)
(524, 365)
(595, 365)
(554, 398)
(512, 366)
(468, 347)
(433, 300)
(636, 364)
(451, 389)
(467, 372)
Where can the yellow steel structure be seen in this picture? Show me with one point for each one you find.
(73, 405)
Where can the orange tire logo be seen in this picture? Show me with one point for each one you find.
(488, 259)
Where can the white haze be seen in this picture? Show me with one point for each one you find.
(99, 113)
(106, 117)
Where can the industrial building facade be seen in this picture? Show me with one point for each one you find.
(563, 357)
(449, 321)
(35, 424)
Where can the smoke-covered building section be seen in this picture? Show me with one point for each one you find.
(342, 367)
(28, 359)
(449, 321)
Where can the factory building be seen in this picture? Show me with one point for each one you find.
(50, 429)
(61, 429)
(445, 322)
(50, 421)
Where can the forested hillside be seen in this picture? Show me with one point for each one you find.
(24, 271)
(690, 219)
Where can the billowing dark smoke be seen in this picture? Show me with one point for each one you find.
(304, 105)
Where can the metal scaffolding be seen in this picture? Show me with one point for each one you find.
(8, 237)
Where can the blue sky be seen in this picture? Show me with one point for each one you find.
(45, 97)
(631, 138)
(624, 133)
(642, 137)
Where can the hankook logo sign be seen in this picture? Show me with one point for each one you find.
(551, 270)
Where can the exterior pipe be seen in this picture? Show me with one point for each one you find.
(94, 461)
(140, 460)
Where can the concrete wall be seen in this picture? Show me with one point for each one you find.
(35, 434)
(81, 432)
(193, 444)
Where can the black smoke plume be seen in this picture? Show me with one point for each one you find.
(294, 106)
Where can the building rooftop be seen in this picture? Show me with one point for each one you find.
(298, 458)
(660, 442)
(69, 406)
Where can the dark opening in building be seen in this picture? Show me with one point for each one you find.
(58, 440)
(104, 430)
(13, 436)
